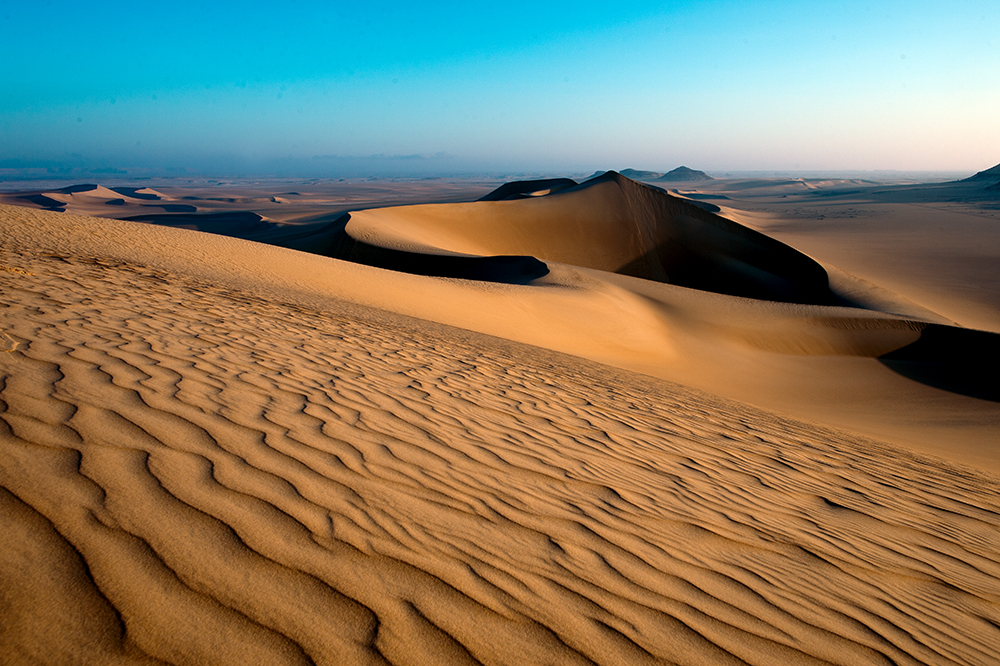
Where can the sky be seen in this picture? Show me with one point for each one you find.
(328, 88)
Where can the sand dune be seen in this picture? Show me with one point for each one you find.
(613, 224)
(82, 192)
(219, 451)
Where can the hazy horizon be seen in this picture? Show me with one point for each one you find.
(315, 91)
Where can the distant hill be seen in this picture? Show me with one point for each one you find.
(634, 174)
(684, 173)
(678, 174)
(989, 174)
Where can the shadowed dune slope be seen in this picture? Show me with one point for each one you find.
(238, 224)
(953, 358)
(138, 193)
(46, 203)
(330, 239)
(207, 466)
(613, 224)
(502, 269)
(524, 188)
(82, 187)
(990, 174)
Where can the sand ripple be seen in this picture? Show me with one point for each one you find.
(195, 476)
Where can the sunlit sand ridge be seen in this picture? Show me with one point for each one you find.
(216, 451)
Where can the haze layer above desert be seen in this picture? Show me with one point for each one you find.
(699, 421)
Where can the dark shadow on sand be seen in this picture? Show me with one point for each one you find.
(238, 224)
(73, 189)
(696, 266)
(174, 208)
(524, 189)
(506, 269)
(45, 202)
(955, 359)
(133, 194)
(330, 239)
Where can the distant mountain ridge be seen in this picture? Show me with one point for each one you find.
(684, 173)
(681, 173)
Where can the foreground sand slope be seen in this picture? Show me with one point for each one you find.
(208, 465)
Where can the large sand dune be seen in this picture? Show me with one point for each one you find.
(612, 224)
(218, 451)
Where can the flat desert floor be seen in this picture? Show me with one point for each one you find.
(542, 423)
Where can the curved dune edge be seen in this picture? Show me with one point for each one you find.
(204, 471)
(609, 223)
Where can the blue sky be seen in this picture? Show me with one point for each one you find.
(317, 88)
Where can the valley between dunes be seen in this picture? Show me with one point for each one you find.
(569, 424)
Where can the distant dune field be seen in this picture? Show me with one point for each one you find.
(567, 423)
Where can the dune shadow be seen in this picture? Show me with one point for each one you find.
(505, 269)
(685, 243)
(173, 208)
(523, 189)
(699, 250)
(697, 267)
(330, 239)
(238, 224)
(45, 202)
(133, 193)
(955, 359)
(73, 189)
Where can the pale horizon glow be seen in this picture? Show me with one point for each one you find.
(319, 89)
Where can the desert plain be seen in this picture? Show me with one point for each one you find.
(593, 421)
